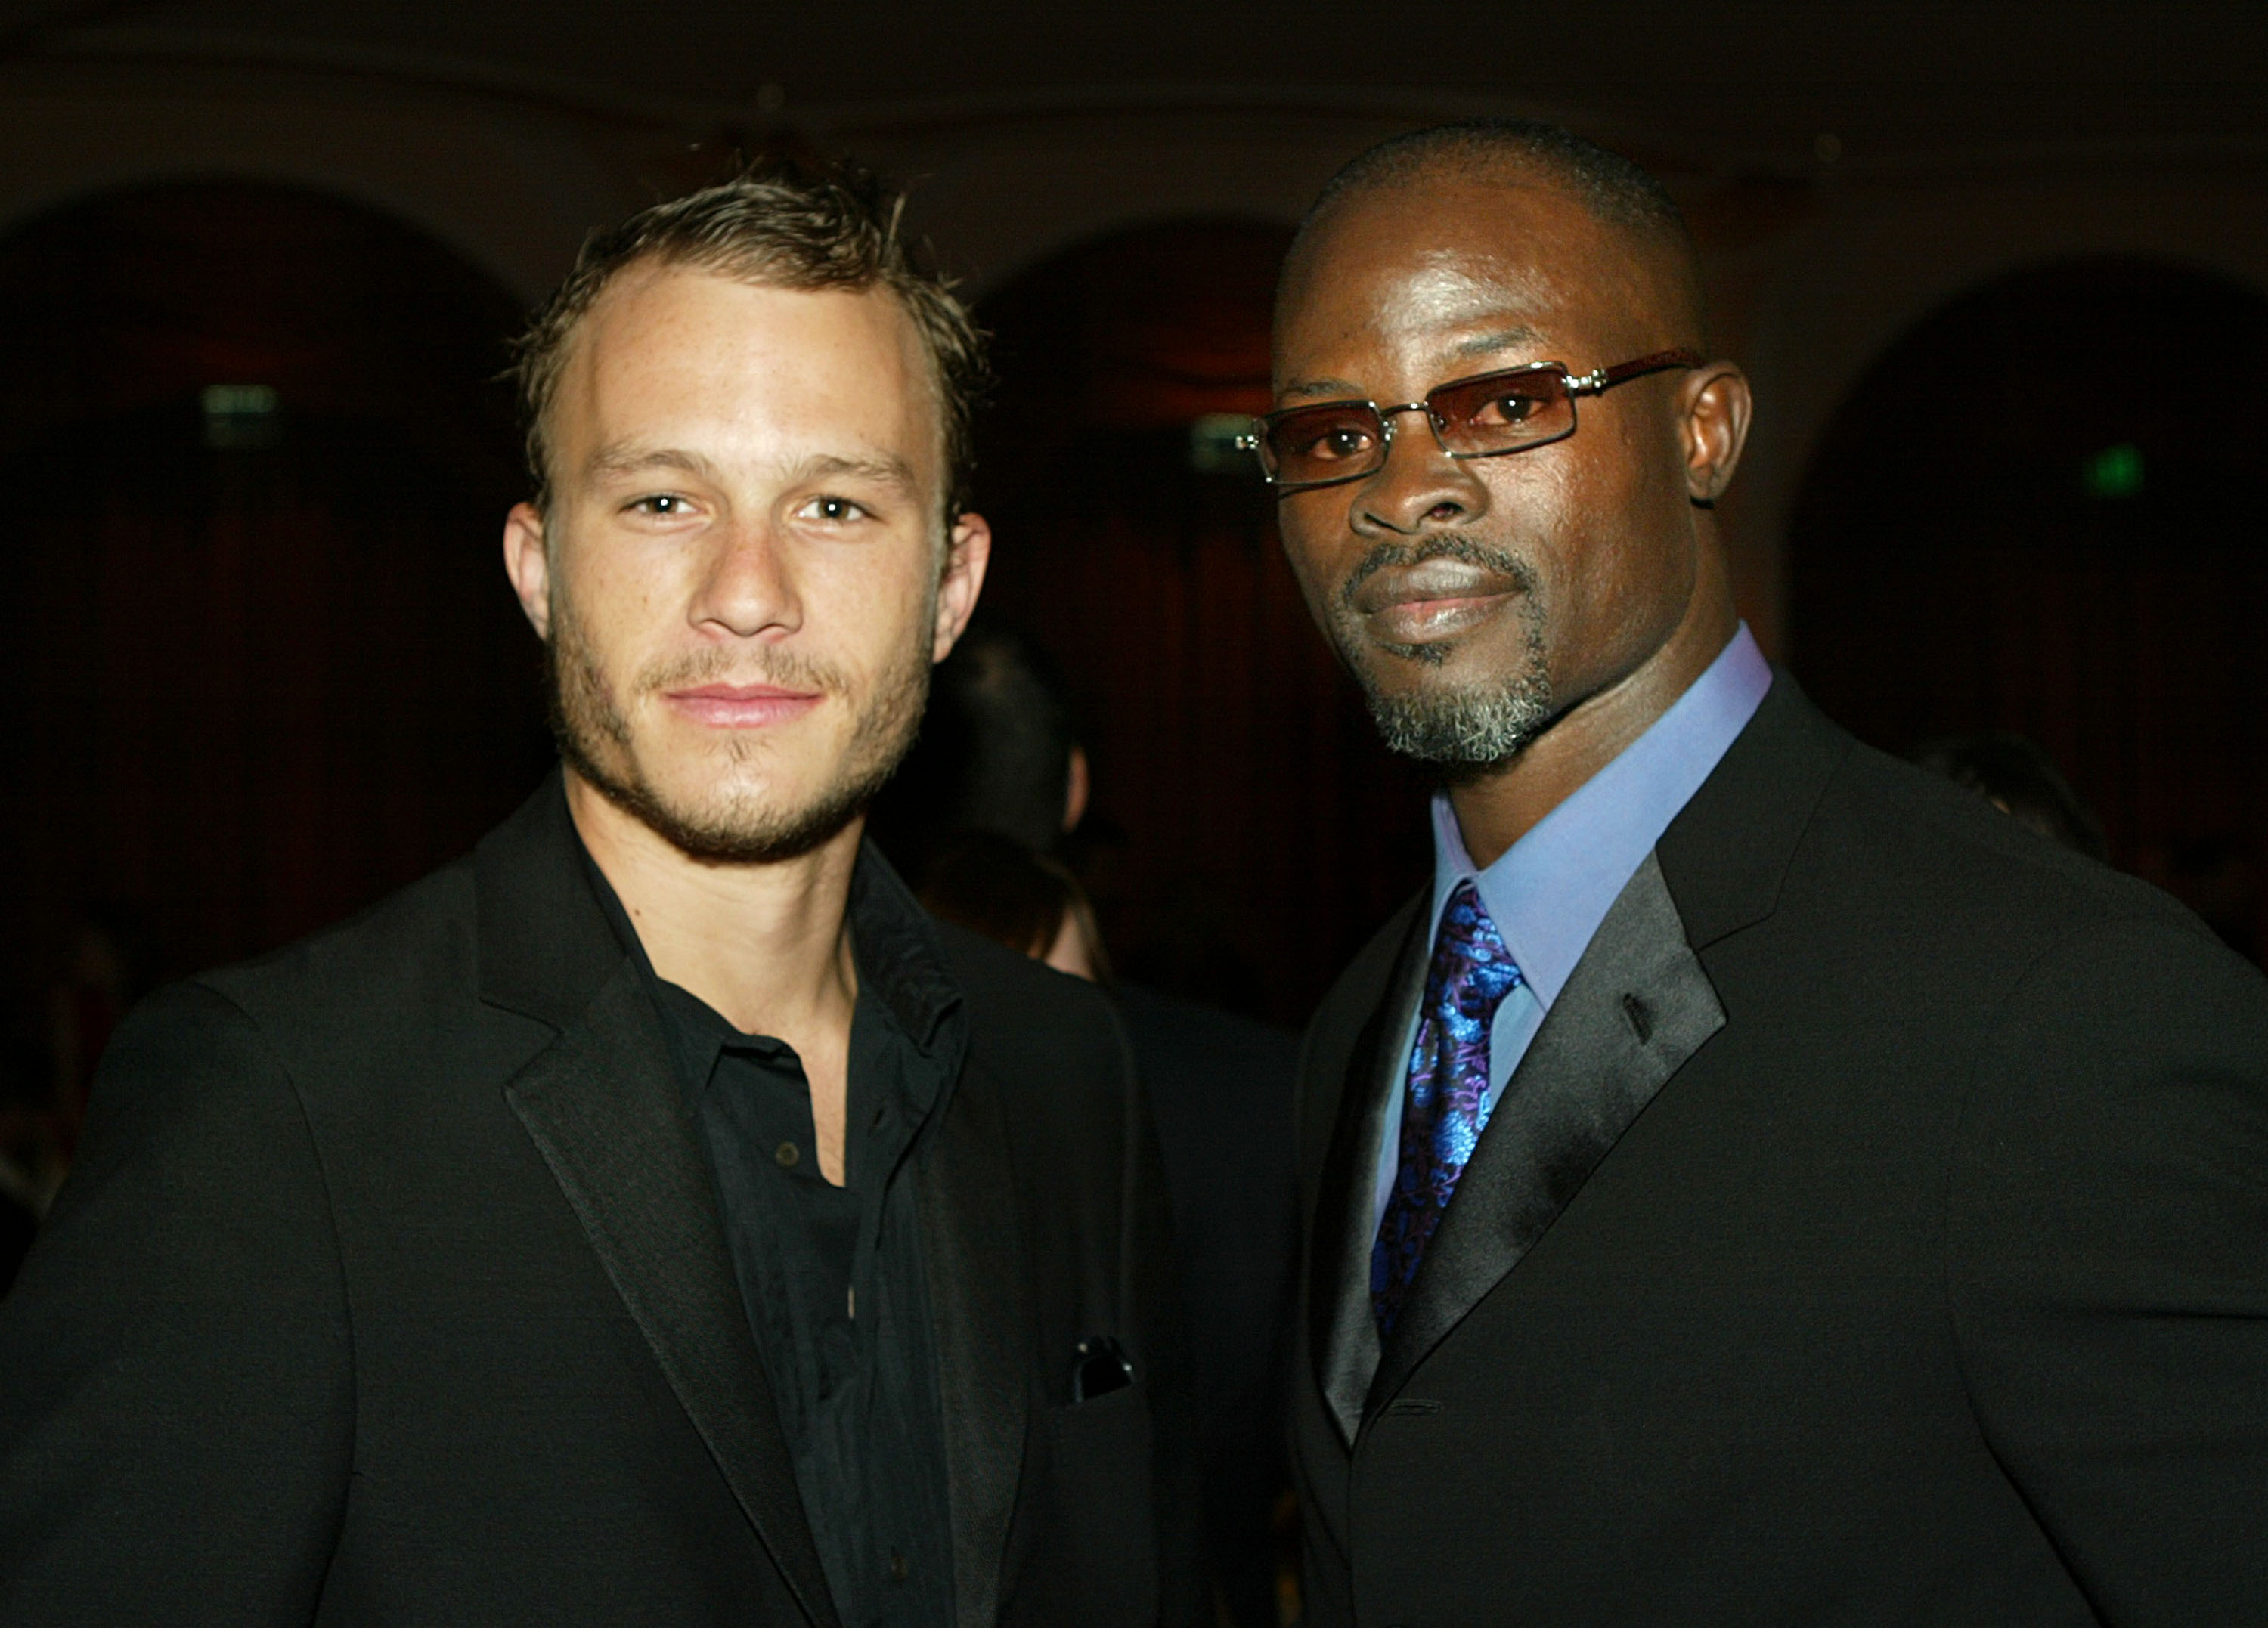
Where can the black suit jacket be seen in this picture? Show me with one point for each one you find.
(391, 1288)
(1876, 1231)
(1221, 1087)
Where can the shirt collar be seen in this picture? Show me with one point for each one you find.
(1550, 891)
(893, 940)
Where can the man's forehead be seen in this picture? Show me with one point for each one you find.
(1446, 302)
(1454, 259)
(691, 342)
(704, 308)
(1451, 289)
(699, 335)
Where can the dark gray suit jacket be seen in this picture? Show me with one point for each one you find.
(1876, 1231)
(391, 1288)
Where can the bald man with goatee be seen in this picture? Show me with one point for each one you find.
(1754, 1181)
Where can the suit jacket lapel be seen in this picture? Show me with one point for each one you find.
(972, 1249)
(1344, 1332)
(1727, 851)
(1636, 1006)
(1716, 870)
(602, 1105)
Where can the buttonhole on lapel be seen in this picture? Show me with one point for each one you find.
(1411, 1404)
(1641, 1021)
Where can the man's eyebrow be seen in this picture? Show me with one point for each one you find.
(887, 467)
(1501, 339)
(1336, 389)
(626, 459)
(1516, 337)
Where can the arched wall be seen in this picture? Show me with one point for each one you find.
(513, 177)
(1806, 306)
(1874, 262)
(260, 664)
(513, 196)
(2074, 554)
(1845, 259)
(1006, 198)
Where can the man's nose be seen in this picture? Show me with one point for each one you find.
(1419, 486)
(748, 586)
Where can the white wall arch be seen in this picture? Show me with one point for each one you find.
(1842, 288)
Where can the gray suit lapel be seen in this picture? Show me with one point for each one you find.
(1636, 1006)
(1345, 1335)
(972, 1249)
(611, 1121)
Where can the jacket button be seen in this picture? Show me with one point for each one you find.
(787, 1153)
(897, 1568)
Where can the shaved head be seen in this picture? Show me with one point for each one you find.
(1626, 200)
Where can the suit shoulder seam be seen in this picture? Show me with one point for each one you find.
(1972, 1089)
(323, 1179)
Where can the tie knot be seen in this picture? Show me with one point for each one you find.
(1472, 969)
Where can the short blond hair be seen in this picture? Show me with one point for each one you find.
(781, 224)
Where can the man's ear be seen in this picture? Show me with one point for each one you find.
(1078, 784)
(1718, 406)
(528, 566)
(968, 552)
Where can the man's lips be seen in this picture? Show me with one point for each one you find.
(741, 705)
(1430, 600)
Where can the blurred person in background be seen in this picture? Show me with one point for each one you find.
(32, 1136)
(655, 1217)
(2016, 776)
(995, 886)
(44, 1093)
(999, 751)
(107, 968)
(985, 802)
(2215, 873)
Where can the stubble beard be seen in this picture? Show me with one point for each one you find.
(741, 825)
(1465, 730)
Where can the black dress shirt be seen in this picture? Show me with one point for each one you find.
(832, 1276)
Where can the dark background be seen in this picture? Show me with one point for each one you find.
(1997, 272)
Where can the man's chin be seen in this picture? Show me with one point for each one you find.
(1461, 728)
(734, 824)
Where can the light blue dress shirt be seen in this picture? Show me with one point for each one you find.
(1548, 891)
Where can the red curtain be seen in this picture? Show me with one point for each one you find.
(259, 668)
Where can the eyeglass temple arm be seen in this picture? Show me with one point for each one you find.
(1606, 379)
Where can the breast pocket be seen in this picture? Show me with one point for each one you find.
(1102, 1565)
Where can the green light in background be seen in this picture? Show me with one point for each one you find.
(2114, 472)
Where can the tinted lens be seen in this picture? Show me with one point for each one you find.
(1333, 442)
(1498, 412)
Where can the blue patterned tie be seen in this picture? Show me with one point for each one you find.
(1446, 1103)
